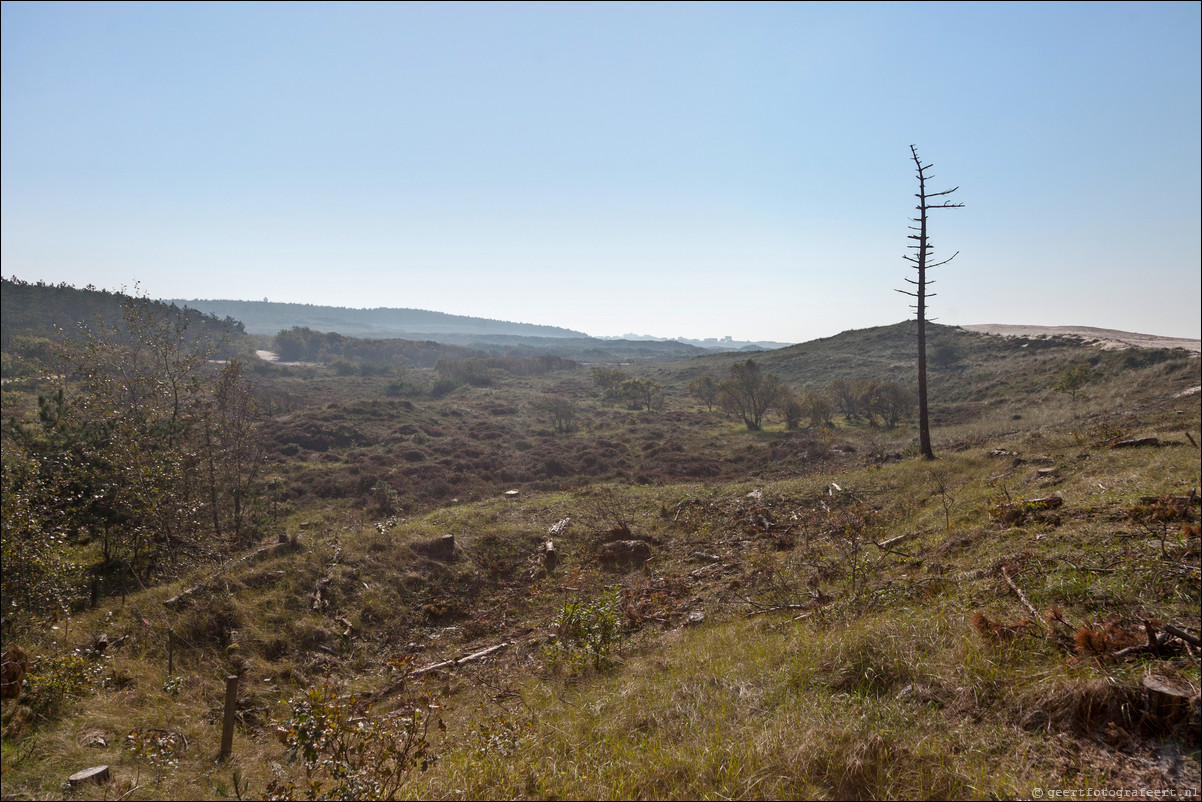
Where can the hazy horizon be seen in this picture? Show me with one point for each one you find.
(674, 170)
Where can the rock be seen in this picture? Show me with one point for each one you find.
(96, 774)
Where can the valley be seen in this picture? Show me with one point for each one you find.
(472, 575)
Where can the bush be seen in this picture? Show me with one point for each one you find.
(348, 753)
(590, 629)
(56, 678)
(443, 387)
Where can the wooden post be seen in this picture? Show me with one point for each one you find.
(231, 708)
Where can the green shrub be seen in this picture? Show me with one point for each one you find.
(590, 629)
(346, 752)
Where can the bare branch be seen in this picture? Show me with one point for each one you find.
(945, 261)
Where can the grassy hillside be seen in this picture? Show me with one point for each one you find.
(771, 614)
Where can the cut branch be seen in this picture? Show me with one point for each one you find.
(1022, 597)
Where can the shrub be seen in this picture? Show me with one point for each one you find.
(443, 387)
(348, 753)
(1073, 379)
(56, 678)
(590, 629)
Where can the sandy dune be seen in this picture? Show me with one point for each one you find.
(1107, 339)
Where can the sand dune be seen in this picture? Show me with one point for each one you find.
(1108, 339)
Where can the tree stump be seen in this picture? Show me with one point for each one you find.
(96, 774)
(1168, 703)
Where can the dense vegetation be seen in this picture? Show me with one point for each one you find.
(688, 579)
(36, 312)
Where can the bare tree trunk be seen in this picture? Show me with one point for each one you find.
(919, 261)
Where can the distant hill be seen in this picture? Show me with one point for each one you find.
(51, 311)
(270, 317)
(710, 343)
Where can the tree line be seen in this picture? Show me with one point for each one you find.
(749, 394)
(32, 311)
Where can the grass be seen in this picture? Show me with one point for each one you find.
(769, 649)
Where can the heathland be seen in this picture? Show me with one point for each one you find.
(446, 571)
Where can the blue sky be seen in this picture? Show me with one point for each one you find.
(678, 169)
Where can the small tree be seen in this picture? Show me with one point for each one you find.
(818, 408)
(843, 396)
(560, 412)
(749, 393)
(642, 393)
(232, 450)
(792, 408)
(1073, 379)
(705, 390)
(607, 379)
(919, 260)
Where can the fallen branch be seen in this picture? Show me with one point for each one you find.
(1073, 565)
(1139, 441)
(806, 615)
(886, 546)
(1193, 640)
(777, 609)
(1022, 597)
(452, 663)
(471, 658)
(897, 539)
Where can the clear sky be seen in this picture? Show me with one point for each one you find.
(678, 169)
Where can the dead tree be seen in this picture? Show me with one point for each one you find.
(920, 294)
